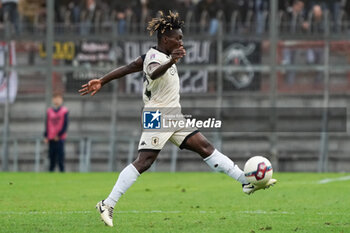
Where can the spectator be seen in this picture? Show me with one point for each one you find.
(56, 131)
(165, 6)
(58, 17)
(144, 12)
(212, 7)
(185, 6)
(243, 7)
(10, 11)
(316, 9)
(293, 16)
(313, 17)
(123, 12)
(88, 17)
(74, 7)
(228, 7)
(260, 7)
(315, 24)
(335, 8)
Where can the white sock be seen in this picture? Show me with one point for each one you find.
(126, 178)
(221, 163)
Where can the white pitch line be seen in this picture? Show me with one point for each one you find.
(329, 180)
(264, 212)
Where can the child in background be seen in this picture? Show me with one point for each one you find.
(56, 125)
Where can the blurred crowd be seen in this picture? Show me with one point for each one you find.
(239, 14)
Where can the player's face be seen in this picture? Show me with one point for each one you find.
(174, 40)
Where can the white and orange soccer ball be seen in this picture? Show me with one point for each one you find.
(258, 170)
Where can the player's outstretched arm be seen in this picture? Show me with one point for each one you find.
(94, 85)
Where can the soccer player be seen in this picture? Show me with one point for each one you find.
(161, 89)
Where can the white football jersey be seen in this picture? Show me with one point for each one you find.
(165, 90)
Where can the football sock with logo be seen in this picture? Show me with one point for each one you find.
(221, 163)
(126, 178)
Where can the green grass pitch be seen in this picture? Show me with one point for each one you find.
(174, 202)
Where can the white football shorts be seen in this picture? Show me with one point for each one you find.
(156, 140)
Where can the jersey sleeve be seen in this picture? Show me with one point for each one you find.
(152, 58)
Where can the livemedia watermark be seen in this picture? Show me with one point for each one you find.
(245, 119)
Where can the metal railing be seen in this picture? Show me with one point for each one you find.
(85, 144)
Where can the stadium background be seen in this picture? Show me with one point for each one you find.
(239, 54)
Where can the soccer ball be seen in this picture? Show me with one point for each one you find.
(258, 170)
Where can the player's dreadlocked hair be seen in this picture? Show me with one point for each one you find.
(164, 23)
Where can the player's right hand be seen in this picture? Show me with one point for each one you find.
(178, 53)
(93, 86)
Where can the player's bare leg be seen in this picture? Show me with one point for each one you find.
(126, 178)
(145, 160)
(199, 144)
